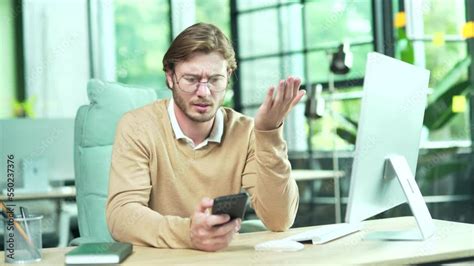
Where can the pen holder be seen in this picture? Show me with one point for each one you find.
(22, 239)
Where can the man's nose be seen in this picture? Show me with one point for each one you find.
(203, 89)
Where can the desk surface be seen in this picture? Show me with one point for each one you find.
(452, 240)
(54, 193)
(307, 174)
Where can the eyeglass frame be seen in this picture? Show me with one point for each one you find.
(200, 82)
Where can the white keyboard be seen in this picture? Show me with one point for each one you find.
(326, 233)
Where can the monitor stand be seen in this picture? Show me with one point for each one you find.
(396, 166)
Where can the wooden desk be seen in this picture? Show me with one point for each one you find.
(451, 241)
(311, 175)
(58, 194)
(54, 193)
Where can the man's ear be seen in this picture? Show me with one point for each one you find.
(169, 78)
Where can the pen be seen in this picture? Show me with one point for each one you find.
(24, 215)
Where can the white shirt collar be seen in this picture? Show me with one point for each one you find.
(216, 132)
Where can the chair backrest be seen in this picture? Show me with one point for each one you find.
(94, 134)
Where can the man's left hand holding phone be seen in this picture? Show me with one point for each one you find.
(211, 232)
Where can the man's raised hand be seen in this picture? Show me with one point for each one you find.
(274, 109)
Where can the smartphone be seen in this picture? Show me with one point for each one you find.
(233, 205)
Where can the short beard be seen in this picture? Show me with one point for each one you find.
(184, 108)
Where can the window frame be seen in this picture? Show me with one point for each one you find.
(305, 51)
(383, 41)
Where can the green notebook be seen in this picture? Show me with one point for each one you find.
(99, 253)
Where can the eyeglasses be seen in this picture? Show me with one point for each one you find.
(190, 83)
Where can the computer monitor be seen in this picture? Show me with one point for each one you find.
(388, 137)
(42, 151)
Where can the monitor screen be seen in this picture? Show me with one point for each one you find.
(41, 148)
(391, 119)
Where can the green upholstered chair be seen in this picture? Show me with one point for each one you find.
(93, 138)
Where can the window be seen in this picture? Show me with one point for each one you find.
(143, 35)
(217, 12)
(268, 51)
(281, 38)
(328, 23)
(142, 38)
(437, 44)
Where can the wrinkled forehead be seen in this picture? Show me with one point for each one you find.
(203, 64)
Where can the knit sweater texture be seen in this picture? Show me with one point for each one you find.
(156, 181)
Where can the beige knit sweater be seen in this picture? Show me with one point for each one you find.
(156, 181)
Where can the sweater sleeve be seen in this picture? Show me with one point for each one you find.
(274, 193)
(129, 217)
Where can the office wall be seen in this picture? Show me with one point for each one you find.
(57, 63)
(7, 53)
(51, 144)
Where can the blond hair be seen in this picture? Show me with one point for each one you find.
(200, 37)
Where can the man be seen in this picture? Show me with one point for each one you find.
(170, 158)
